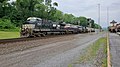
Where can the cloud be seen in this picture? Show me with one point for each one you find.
(89, 8)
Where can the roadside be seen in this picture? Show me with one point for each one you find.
(70, 56)
(94, 55)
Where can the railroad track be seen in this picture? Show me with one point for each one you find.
(4, 41)
(8, 46)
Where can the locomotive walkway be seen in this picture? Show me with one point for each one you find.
(115, 49)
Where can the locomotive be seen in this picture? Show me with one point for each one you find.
(36, 27)
(114, 27)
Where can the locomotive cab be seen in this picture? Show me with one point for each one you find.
(31, 24)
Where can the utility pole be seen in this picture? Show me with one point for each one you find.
(99, 16)
(108, 16)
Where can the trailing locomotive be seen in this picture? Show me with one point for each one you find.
(114, 27)
(35, 27)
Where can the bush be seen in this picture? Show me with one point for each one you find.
(5, 24)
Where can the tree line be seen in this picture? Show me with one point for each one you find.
(14, 13)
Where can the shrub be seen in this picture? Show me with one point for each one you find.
(6, 24)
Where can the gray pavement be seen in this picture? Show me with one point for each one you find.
(58, 54)
(115, 49)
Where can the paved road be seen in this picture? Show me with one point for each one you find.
(56, 54)
(115, 49)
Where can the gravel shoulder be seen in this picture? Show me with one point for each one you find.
(52, 52)
(95, 55)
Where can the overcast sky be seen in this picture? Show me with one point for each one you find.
(89, 8)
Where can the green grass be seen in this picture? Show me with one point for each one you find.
(91, 52)
(104, 60)
(11, 30)
(104, 64)
(8, 35)
(70, 65)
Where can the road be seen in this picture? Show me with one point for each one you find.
(56, 52)
(115, 49)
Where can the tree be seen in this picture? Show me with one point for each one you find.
(58, 16)
(18, 11)
(68, 18)
(97, 26)
(83, 21)
(6, 24)
(92, 24)
(55, 4)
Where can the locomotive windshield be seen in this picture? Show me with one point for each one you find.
(33, 20)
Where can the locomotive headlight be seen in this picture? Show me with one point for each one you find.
(38, 24)
(54, 25)
(25, 26)
(32, 26)
(28, 26)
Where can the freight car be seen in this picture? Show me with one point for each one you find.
(35, 27)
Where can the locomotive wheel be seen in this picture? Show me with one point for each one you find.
(52, 33)
(46, 33)
(38, 35)
(42, 35)
(27, 35)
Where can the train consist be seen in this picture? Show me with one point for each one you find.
(114, 28)
(36, 27)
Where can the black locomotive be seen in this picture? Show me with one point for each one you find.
(35, 27)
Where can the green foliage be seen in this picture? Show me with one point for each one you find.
(58, 16)
(97, 26)
(6, 24)
(92, 24)
(83, 21)
(55, 4)
(68, 18)
(18, 11)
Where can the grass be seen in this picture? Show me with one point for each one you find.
(8, 35)
(104, 64)
(70, 65)
(104, 60)
(91, 52)
(11, 30)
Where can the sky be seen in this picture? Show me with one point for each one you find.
(89, 9)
